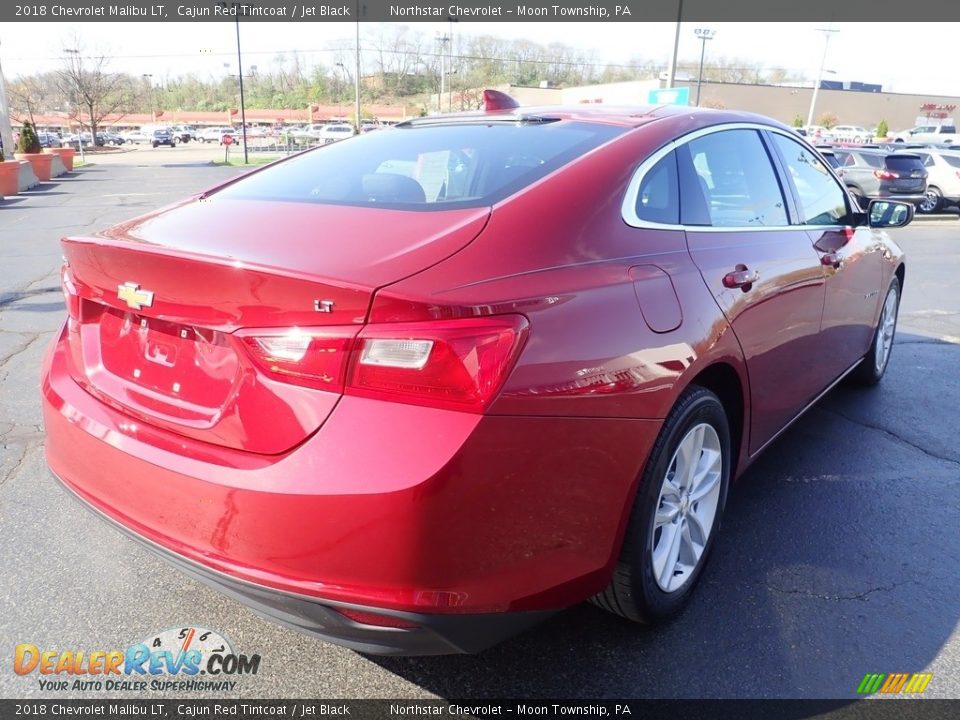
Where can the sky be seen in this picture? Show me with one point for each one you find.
(868, 52)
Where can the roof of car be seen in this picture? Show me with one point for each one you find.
(624, 115)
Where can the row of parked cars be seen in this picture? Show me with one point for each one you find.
(926, 175)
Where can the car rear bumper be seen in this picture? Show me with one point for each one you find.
(447, 519)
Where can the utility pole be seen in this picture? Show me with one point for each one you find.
(6, 130)
(672, 74)
(243, 111)
(827, 32)
(356, 80)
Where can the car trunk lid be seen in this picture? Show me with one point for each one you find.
(157, 302)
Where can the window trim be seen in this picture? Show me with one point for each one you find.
(628, 206)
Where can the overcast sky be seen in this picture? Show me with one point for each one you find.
(903, 57)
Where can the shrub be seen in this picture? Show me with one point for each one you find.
(828, 120)
(29, 142)
(797, 121)
(883, 129)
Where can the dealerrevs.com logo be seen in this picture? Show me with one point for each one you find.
(189, 659)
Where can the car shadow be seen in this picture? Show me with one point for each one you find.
(833, 562)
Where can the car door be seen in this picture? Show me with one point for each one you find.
(762, 270)
(849, 251)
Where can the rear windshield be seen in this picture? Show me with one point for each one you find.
(952, 160)
(440, 167)
(904, 162)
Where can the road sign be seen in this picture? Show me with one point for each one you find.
(669, 96)
(228, 139)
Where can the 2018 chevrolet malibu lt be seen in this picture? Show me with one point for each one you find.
(417, 391)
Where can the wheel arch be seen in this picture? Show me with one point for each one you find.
(723, 380)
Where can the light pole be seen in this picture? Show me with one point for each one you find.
(356, 79)
(450, 21)
(74, 51)
(6, 130)
(243, 110)
(339, 89)
(672, 74)
(442, 39)
(827, 32)
(703, 34)
(153, 99)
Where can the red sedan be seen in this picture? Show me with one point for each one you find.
(416, 391)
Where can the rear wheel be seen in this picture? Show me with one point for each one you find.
(932, 201)
(676, 512)
(871, 369)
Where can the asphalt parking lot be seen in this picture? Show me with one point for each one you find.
(839, 555)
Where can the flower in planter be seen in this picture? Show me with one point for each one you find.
(29, 142)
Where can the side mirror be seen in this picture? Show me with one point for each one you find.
(889, 214)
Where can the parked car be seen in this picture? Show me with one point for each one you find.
(162, 136)
(136, 136)
(182, 133)
(942, 131)
(393, 426)
(333, 133)
(48, 140)
(215, 134)
(109, 138)
(827, 153)
(851, 133)
(943, 179)
(878, 174)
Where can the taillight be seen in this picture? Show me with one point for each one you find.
(885, 175)
(70, 296)
(454, 364)
(315, 358)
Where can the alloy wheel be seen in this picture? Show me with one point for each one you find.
(885, 331)
(687, 507)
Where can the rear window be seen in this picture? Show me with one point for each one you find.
(952, 160)
(904, 162)
(874, 161)
(426, 168)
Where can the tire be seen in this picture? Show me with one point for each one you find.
(175, 141)
(642, 588)
(156, 144)
(201, 140)
(871, 369)
(932, 202)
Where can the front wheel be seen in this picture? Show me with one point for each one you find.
(675, 514)
(871, 369)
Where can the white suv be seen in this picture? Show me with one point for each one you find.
(851, 133)
(332, 133)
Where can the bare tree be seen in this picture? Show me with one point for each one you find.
(97, 91)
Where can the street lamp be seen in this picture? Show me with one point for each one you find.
(339, 88)
(443, 40)
(153, 99)
(450, 21)
(827, 32)
(74, 51)
(703, 34)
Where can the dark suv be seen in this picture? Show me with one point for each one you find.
(876, 174)
(162, 136)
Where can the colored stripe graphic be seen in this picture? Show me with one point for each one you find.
(893, 683)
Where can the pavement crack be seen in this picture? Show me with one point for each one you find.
(821, 596)
(895, 436)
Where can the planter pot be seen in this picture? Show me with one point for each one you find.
(9, 177)
(41, 163)
(66, 154)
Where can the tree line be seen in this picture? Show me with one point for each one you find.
(399, 65)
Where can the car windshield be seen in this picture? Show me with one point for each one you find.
(426, 168)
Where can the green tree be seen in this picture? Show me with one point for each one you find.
(883, 129)
(797, 121)
(29, 142)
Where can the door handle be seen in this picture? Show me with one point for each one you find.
(742, 278)
(831, 259)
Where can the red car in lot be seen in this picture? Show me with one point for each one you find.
(416, 391)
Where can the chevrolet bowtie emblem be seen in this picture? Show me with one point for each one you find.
(133, 296)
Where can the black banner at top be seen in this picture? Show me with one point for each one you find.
(411, 11)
